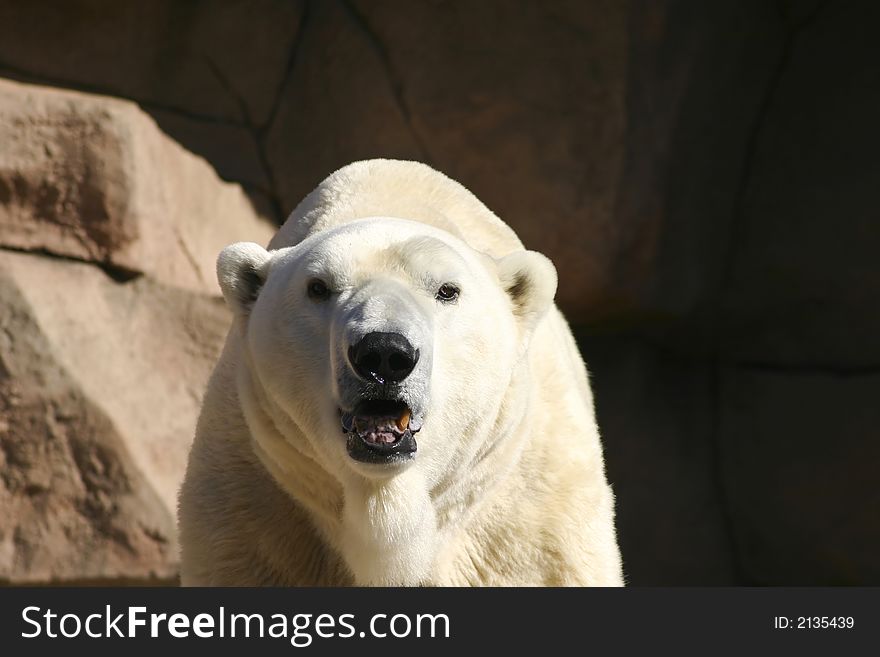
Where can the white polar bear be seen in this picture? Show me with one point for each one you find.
(398, 403)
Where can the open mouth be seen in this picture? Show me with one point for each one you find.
(380, 431)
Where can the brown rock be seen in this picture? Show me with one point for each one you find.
(612, 138)
(221, 61)
(800, 453)
(100, 386)
(656, 413)
(94, 179)
(804, 284)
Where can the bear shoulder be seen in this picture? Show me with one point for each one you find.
(401, 189)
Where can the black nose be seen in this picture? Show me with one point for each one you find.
(383, 357)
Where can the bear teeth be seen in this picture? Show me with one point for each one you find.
(403, 420)
(367, 423)
(376, 425)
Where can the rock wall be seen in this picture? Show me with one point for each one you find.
(110, 322)
(701, 173)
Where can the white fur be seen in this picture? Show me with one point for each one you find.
(507, 486)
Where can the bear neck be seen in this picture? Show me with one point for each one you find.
(287, 455)
(500, 441)
(391, 532)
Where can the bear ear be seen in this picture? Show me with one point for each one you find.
(529, 278)
(242, 269)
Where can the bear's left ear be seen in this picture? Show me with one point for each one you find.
(529, 278)
(242, 269)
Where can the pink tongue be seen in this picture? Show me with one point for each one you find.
(378, 431)
(380, 437)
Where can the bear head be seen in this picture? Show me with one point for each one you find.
(383, 343)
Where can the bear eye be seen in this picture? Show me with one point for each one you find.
(447, 293)
(318, 290)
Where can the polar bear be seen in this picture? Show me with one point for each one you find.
(399, 403)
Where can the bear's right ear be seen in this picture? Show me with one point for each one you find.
(242, 269)
(529, 278)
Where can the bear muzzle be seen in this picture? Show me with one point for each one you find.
(380, 431)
